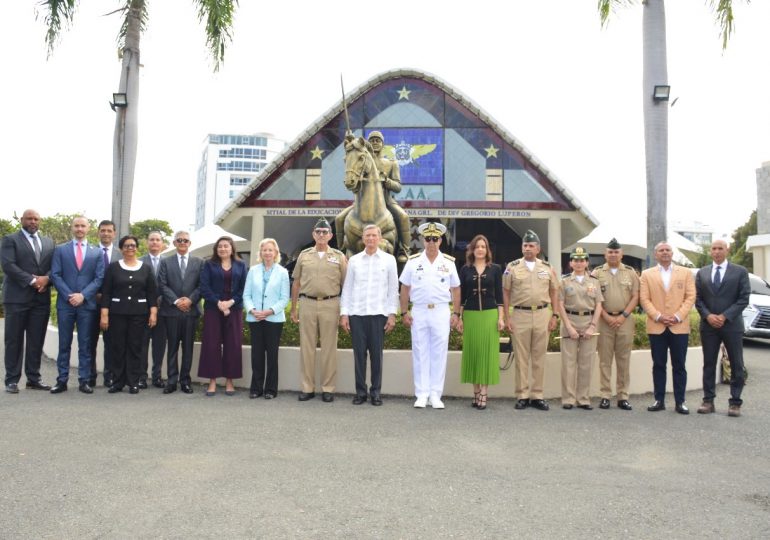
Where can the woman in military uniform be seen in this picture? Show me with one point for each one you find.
(581, 307)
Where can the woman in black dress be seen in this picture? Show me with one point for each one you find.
(129, 305)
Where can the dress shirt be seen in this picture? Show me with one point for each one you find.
(83, 246)
(371, 285)
(665, 275)
(714, 267)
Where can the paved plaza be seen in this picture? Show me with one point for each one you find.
(174, 466)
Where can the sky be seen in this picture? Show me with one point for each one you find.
(546, 70)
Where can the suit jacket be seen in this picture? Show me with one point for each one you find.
(68, 279)
(729, 300)
(273, 295)
(213, 284)
(677, 300)
(172, 286)
(129, 292)
(19, 265)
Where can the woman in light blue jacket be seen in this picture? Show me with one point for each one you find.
(264, 298)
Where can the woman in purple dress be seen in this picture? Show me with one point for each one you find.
(222, 280)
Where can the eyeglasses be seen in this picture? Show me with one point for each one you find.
(322, 232)
(432, 238)
(182, 240)
(129, 246)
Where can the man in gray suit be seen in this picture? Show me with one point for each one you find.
(156, 334)
(109, 254)
(722, 292)
(179, 283)
(26, 260)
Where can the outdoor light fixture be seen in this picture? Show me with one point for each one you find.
(661, 92)
(120, 101)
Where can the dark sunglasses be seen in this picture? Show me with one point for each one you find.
(432, 238)
(129, 246)
(182, 241)
(321, 232)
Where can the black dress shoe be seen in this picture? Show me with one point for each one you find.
(12, 388)
(681, 408)
(304, 396)
(91, 382)
(567, 406)
(269, 395)
(376, 400)
(85, 388)
(604, 403)
(327, 397)
(143, 385)
(169, 389)
(625, 405)
(114, 389)
(59, 387)
(37, 385)
(521, 404)
(657, 406)
(186, 388)
(158, 384)
(586, 407)
(359, 400)
(133, 389)
(539, 404)
(254, 395)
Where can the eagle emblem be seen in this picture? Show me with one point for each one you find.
(405, 153)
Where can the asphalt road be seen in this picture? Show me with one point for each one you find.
(173, 466)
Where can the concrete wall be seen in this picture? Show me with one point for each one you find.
(397, 371)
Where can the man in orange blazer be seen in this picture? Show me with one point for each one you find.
(667, 294)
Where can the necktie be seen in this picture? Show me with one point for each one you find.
(106, 258)
(79, 255)
(182, 267)
(36, 244)
(154, 265)
(717, 278)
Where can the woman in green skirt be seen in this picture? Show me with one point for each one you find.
(481, 319)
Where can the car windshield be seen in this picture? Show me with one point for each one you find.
(759, 285)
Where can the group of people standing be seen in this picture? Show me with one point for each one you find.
(149, 306)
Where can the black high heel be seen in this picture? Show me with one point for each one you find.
(475, 402)
(482, 404)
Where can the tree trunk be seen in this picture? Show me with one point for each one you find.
(655, 122)
(126, 123)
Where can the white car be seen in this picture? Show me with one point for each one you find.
(756, 316)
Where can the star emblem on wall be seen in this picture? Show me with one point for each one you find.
(404, 93)
(491, 151)
(316, 153)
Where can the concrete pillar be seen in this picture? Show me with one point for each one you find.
(554, 243)
(257, 234)
(763, 198)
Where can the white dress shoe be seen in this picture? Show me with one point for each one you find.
(436, 403)
(421, 402)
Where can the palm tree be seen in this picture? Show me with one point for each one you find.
(218, 17)
(655, 72)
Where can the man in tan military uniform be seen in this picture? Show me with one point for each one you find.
(580, 302)
(318, 278)
(620, 288)
(530, 287)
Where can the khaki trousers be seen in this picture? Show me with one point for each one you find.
(577, 358)
(318, 318)
(617, 344)
(530, 342)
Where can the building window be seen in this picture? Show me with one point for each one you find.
(240, 180)
(244, 140)
(248, 153)
(246, 166)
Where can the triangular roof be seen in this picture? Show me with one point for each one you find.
(555, 194)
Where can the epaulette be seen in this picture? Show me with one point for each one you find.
(306, 250)
(414, 255)
(337, 251)
(593, 277)
(514, 263)
(628, 267)
(448, 257)
(565, 276)
(546, 263)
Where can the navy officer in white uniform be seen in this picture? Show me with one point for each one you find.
(430, 281)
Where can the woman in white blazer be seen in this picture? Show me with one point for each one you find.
(264, 298)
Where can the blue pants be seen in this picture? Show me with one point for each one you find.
(660, 346)
(69, 317)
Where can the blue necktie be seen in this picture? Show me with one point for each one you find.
(717, 278)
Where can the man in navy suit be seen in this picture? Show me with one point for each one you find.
(180, 289)
(156, 334)
(109, 253)
(26, 261)
(722, 292)
(77, 272)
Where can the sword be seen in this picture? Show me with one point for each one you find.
(345, 104)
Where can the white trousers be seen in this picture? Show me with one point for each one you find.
(430, 339)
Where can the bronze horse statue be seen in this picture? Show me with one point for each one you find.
(364, 179)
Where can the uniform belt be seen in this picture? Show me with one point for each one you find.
(580, 312)
(533, 307)
(430, 306)
(614, 313)
(318, 297)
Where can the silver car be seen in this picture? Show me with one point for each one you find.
(756, 316)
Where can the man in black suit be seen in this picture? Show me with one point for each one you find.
(109, 253)
(179, 284)
(26, 260)
(156, 334)
(722, 293)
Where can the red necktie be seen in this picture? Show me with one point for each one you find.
(79, 256)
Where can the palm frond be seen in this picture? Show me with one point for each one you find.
(218, 17)
(56, 14)
(723, 12)
(139, 8)
(608, 7)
